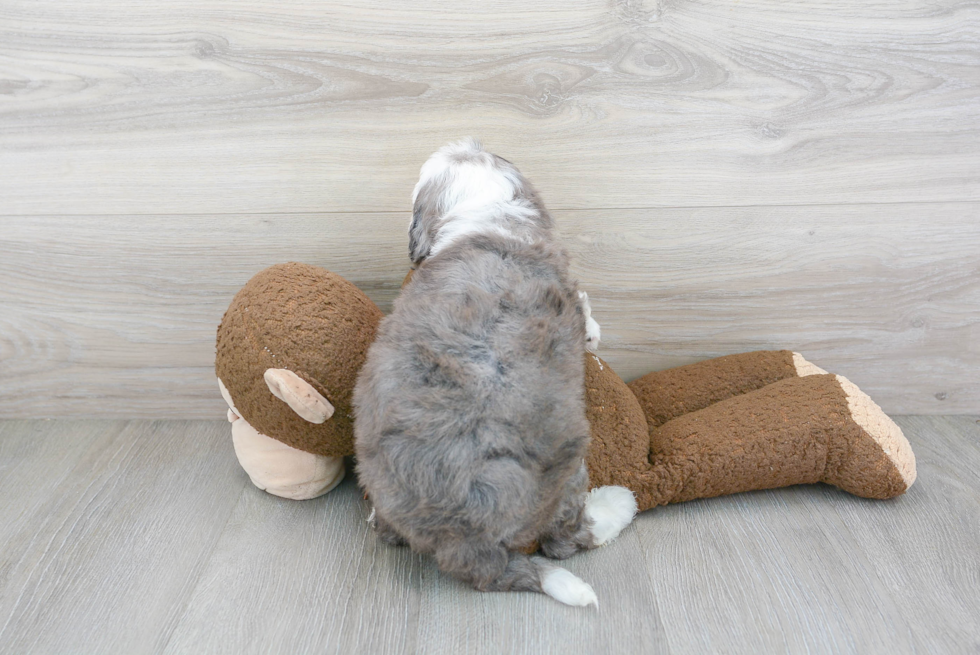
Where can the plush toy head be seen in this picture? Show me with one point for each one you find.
(288, 352)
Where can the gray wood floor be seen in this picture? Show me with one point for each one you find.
(145, 537)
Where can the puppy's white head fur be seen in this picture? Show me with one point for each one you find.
(463, 189)
(472, 173)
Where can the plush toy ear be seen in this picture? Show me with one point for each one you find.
(298, 394)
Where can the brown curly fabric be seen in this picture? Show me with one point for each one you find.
(312, 322)
(677, 391)
(620, 438)
(791, 431)
(795, 431)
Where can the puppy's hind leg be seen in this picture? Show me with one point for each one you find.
(609, 509)
(491, 567)
(586, 520)
(385, 532)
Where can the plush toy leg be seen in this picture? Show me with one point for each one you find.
(665, 395)
(283, 470)
(819, 428)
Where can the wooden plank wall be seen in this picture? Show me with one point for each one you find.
(728, 177)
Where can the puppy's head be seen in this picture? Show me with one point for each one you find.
(458, 187)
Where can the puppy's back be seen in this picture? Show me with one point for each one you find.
(470, 405)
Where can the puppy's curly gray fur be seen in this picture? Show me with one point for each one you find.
(470, 420)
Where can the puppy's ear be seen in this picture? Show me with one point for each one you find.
(425, 215)
(419, 243)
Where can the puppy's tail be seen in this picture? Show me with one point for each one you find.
(563, 585)
(493, 568)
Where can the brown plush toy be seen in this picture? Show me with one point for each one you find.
(288, 352)
(758, 420)
(294, 338)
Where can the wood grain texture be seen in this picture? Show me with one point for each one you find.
(917, 552)
(887, 297)
(452, 619)
(302, 577)
(115, 316)
(111, 526)
(226, 106)
(813, 569)
(139, 537)
(761, 573)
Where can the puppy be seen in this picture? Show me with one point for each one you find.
(470, 427)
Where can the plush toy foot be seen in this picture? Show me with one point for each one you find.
(283, 470)
(805, 368)
(806, 427)
(873, 458)
(818, 428)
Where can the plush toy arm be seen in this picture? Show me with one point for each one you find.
(818, 428)
(665, 395)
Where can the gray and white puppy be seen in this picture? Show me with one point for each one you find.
(470, 427)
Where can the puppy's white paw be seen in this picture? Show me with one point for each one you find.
(565, 587)
(592, 331)
(611, 509)
(591, 335)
